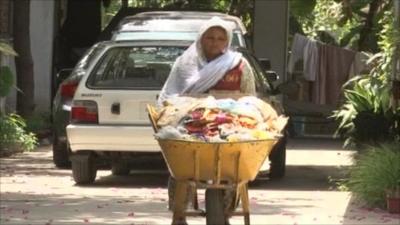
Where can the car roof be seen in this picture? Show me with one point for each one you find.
(146, 43)
(181, 20)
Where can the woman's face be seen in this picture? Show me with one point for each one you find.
(213, 42)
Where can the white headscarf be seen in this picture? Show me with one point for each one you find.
(191, 72)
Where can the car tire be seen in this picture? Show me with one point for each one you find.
(61, 153)
(84, 168)
(215, 207)
(277, 159)
(120, 168)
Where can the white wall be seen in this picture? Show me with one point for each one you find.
(41, 32)
(270, 33)
(42, 29)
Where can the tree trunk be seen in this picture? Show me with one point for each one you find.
(366, 31)
(24, 62)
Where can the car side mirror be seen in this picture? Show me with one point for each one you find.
(265, 63)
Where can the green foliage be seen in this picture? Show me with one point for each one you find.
(302, 8)
(6, 76)
(13, 133)
(38, 122)
(6, 49)
(389, 37)
(376, 171)
(324, 17)
(339, 22)
(6, 81)
(367, 115)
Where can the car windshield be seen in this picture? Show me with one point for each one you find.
(140, 67)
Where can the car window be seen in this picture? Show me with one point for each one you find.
(142, 68)
(88, 57)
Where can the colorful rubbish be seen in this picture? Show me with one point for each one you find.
(222, 120)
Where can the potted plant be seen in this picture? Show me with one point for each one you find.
(393, 199)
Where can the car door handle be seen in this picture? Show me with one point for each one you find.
(116, 108)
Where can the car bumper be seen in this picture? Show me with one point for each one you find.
(112, 138)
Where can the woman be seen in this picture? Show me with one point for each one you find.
(207, 66)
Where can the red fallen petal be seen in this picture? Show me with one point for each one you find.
(131, 214)
(86, 220)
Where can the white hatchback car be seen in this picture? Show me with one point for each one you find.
(109, 120)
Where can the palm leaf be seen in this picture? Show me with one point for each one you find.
(6, 49)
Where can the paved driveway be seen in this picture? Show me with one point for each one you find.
(34, 192)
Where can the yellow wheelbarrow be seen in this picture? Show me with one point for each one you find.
(215, 167)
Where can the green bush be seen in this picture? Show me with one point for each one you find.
(376, 171)
(367, 116)
(38, 122)
(13, 134)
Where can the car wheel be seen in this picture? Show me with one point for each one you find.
(278, 159)
(84, 168)
(61, 153)
(120, 168)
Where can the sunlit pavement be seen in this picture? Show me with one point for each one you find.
(34, 192)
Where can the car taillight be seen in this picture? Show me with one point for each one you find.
(68, 89)
(84, 111)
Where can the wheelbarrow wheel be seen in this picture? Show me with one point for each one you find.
(215, 207)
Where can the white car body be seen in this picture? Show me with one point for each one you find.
(127, 131)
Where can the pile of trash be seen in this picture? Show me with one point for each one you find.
(219, 120)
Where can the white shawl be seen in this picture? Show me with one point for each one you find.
(191, 73)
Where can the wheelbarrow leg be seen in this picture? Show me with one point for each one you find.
(179, 205)
(195, 201)
(245, 203)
